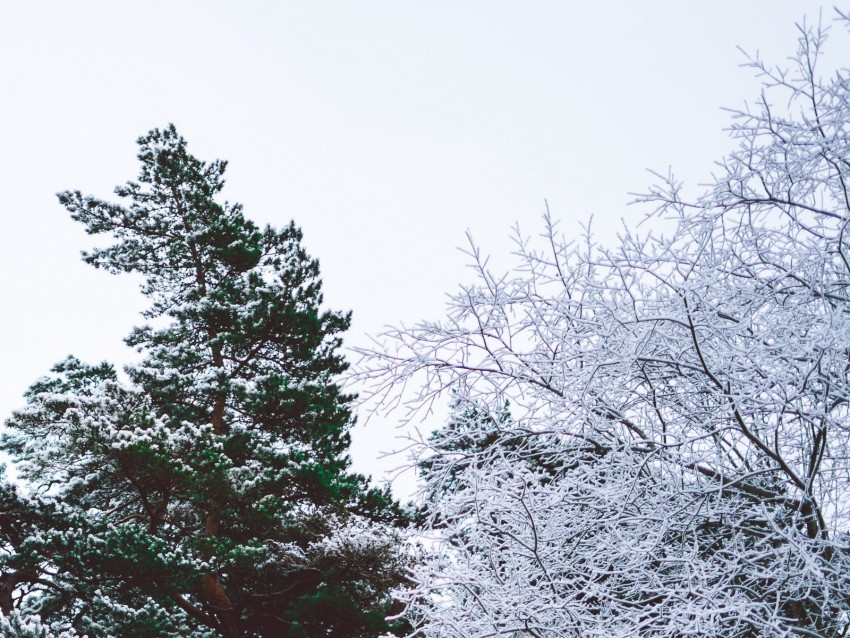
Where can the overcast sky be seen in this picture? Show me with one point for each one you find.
(384, 128)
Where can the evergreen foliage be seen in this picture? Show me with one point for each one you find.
(211, 496)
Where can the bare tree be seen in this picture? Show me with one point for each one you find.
(674, 456)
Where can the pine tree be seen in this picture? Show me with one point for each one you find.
(212, 494)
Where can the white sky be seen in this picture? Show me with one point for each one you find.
(384, 128)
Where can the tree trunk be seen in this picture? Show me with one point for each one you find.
(215, 595)
(211, 587)
(8, 582)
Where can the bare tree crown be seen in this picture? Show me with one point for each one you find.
(652, 440)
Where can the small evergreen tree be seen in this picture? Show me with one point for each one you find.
(211, 495)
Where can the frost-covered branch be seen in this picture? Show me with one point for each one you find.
(651, 439)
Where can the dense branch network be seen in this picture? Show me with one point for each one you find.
(652, 440)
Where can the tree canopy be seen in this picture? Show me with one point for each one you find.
(210, 495)
(675, 455)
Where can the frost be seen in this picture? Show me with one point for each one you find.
(652, 439)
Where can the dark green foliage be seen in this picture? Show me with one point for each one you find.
(212, 495)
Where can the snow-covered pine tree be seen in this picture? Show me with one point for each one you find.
(212, 495)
